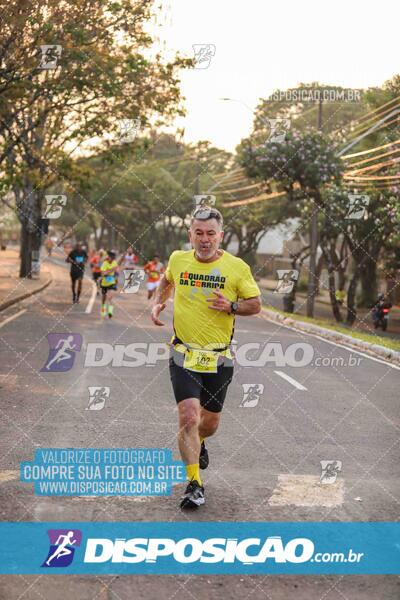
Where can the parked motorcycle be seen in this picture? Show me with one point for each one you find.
(380, 313)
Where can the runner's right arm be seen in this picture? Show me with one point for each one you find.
(162, 294)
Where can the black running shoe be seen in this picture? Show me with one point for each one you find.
(194, 495)
(203, 458)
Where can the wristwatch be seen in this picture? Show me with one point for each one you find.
(234, 307)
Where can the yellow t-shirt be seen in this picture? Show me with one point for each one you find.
(109, 279)
(195, 323)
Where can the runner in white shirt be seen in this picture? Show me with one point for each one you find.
(128, 260)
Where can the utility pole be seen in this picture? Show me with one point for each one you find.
(313, 238)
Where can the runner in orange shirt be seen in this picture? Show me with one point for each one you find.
(154, 269)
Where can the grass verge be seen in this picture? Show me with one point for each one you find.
(355, 333)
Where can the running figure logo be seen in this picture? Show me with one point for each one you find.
(54, 206)
(50, 55)
(357, 208)
(132, 280)
(330, 470)
(251, 394)
(278, 129)
(200, 200)
(63, 543)
(62, 351)
(97, 397)
(203, 54)
(128, 129)
(287, 278)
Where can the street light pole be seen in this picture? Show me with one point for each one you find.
(312, 276)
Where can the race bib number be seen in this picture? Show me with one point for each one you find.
(154, 275)
(202, 361)
(110, 278)
(79, 259)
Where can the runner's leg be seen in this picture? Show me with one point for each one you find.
(73, 285)
(79, 289)
(188, 436)
(209, 422)
(103, 302)
(110, 305)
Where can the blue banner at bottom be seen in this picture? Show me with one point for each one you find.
(199, 548)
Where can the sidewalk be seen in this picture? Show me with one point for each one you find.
(12, 288)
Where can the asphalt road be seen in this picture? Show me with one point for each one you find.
(264, 460)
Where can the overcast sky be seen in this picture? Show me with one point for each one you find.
(262, 45)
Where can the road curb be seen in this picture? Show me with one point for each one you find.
(25, 295)
(374, 349)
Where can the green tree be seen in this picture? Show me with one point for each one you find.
(302, 165)
(102, 76)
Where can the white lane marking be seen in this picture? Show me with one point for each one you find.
(315, 335)
(89, 307)
(18, 314)
(290, 380)
(306, 490)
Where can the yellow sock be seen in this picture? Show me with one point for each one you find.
(193, 472)
(201, 439)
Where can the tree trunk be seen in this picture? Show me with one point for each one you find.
(351, 297)
(318, 272)
(331, 281)
(25, 267)
(368, 282)
(341, 278)
(29, 216)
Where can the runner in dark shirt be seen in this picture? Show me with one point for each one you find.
(77, 259)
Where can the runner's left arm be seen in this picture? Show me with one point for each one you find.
(250, 306)
(247, 307)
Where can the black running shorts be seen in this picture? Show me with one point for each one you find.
(75, 275)
(209, 388)
(106, 288)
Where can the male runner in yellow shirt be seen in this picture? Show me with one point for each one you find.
(108, 283)
(211, 287)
